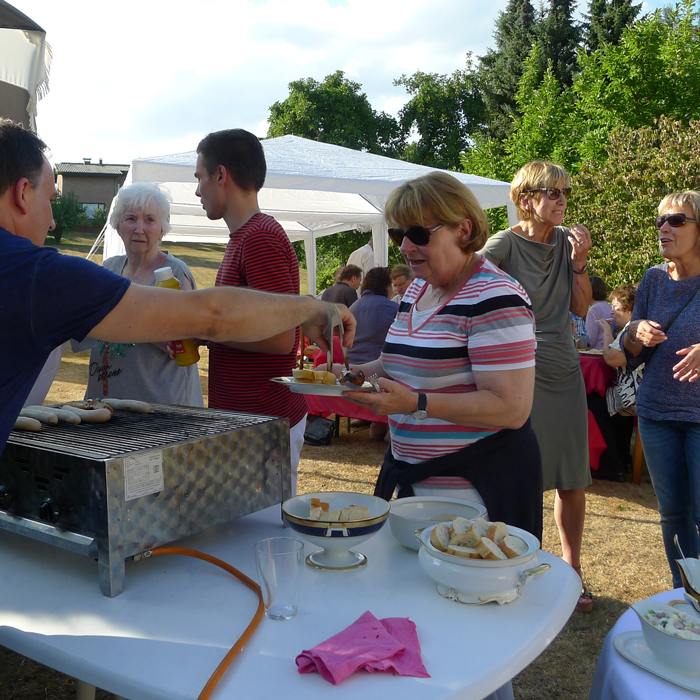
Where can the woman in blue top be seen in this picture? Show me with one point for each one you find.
(664, 334)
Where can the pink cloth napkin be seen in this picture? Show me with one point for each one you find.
(384, 645)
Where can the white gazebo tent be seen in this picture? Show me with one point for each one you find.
(313, 189)
(25, 58)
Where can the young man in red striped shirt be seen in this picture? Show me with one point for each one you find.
(231, 171)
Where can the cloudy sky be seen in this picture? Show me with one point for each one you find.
(151, 77)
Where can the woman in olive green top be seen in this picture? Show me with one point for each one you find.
(550, 262)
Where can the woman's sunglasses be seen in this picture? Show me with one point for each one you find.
(553, 192)
(674, 220)
(418, 235)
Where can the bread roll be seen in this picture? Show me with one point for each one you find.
(325, 378)
(488, 549)
(315, 513)
(466, 552)
(332, 516)
(496, 532)
(462, 540)
(513, 546)
(475, 533)
(460, 526)
(440, 537)
(304, 376)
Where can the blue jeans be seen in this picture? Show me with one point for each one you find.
(672, 452)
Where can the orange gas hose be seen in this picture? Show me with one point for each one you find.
(247, 634)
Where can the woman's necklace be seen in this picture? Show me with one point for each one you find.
(454, 285)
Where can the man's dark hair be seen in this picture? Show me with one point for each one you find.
(240, 152)
(21, 155)
(349, 272)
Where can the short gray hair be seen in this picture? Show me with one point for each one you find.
(137, 197)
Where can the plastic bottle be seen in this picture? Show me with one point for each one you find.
(186, 352)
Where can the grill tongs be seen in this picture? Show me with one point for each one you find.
(334, 319)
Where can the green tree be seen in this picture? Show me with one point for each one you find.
(444, 111)
(335, 111)
(560, 36)
(654, 71)
(618, 200)
(67, 212)
(502, 67)
(607, 20)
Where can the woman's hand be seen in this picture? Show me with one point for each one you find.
(648, 333)
(688, 369)
(394, 398)
(605, 325)
(581, 243)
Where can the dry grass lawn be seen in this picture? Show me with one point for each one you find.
(623, 557)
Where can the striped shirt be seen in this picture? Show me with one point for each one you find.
(260, 256)
(487, 326)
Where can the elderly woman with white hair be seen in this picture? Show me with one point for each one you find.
(145, 371)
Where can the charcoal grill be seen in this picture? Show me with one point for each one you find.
(114, 490)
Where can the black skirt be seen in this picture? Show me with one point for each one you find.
(505, 468)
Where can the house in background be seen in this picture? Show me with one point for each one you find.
(94, 184)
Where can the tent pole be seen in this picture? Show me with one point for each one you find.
(97, 242)
(310, 250)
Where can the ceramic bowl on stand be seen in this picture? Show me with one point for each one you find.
(336, 538)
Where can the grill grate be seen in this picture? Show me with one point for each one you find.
(131, 432)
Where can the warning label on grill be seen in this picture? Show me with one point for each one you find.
(143, 475)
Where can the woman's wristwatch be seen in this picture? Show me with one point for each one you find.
(421, 412)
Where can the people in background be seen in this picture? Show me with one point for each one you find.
(600, 309)
(345, 290)
(230, 172)
(550, 261)
(401, 277)
(663, 333)
(47, 298)
(363, 257)
(375, 313)
(457, 368)
(336, 279)
(616, 417)
(140, 215)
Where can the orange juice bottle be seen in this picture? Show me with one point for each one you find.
(186, 352)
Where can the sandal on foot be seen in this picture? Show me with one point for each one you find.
(585, 601)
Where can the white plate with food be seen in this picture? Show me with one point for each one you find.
(591, 352)
(319, 384)
(633, 647)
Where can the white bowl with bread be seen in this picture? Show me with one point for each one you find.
(477, 562)
(335, 521)
(410, 514)
(672, 636)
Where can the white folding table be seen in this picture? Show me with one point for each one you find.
(162, 638)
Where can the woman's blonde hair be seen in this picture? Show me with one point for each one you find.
(533, 176)
(446, 199)
(680, 199)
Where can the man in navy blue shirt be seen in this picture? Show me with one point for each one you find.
(47, 298)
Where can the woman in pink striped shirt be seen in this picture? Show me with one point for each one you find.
(457, 368)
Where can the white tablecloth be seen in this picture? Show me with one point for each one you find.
(162, 638)
(616, 678)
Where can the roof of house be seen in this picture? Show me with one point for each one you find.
(91, 169)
